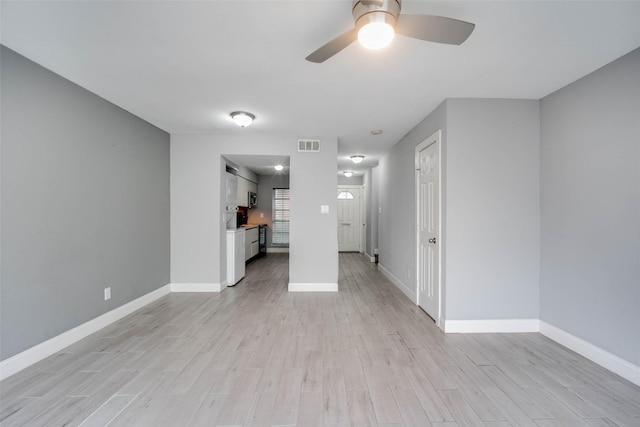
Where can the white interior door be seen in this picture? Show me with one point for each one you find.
(428, 225)
(349, 228)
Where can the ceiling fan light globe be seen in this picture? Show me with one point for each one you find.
(376, 35)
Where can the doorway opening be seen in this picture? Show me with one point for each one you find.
(261, 210)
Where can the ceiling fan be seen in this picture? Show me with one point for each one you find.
(378, 20)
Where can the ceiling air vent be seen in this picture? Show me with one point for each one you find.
(309, 145)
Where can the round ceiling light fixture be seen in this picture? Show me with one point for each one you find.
(278, 167)
(358, 158)
(376, 29)
(348, 174)
(242, 118)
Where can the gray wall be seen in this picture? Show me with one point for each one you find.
(352, 180)
(491, 228)
(590, 269)
(85, 205)
(198, 247)
(370, 206)
(266, 184)
(492, 209)
(393, 207)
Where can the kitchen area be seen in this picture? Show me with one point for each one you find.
(248, 209)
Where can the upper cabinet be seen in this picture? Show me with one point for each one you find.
(244, 188)
(232, 189)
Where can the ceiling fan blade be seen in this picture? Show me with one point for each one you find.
(333, 47)
(434, 28)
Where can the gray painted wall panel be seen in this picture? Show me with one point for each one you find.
(394, 185)
(85, 205)
(353, 180)
(590, 270)
(493, 209)
(490, 225)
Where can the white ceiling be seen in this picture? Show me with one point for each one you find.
(260, 164)
(185, 65)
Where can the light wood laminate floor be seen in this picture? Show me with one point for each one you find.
(257, 355)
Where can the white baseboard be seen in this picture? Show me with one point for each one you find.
(393, 279)
(371, 258)
(198, 287)
(491, 326)
(277, 250)
(603, 358)
(45, 349)
(313, 287)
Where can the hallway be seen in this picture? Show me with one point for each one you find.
(258, 355)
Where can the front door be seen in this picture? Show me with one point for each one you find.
(428, 225)
(349, 219)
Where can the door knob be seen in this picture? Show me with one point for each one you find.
(432, 240)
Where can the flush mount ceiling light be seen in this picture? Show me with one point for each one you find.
(278, 167)
(242, 118)
(348, 174)
(358, 158)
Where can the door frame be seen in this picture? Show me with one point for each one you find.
(363, 215)
(435, 138)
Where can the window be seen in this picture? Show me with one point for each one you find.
(281, 210)
(345, 195)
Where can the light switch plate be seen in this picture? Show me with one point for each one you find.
(324, 209)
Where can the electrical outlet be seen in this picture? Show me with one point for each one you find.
(408, 273)
(324, 209)
(107, 293)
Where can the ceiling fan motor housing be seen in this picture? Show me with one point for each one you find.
(368, 11)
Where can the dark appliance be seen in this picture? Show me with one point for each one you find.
(262, 240)
(253, 199)
(241, 217)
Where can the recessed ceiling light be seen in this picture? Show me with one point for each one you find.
(376, 132)
(242, 118)
(348, 174)
(278, 167)
(358, 158)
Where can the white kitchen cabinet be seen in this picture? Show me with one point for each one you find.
(232, 182)
(244, 187)
(251, 243)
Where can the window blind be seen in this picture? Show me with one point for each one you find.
(281, 215)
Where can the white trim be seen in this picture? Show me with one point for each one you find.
(370, 257)
(198, 287)
(603, 358)
(45, 349)
(491, 325)
(313, 287)
(393, 279)
(272, 250)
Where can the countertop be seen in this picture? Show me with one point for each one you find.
(235, 230)
(249, 226)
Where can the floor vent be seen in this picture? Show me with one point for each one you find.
(309, 145)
